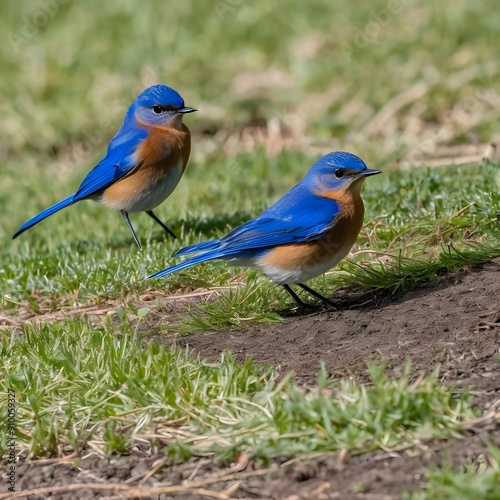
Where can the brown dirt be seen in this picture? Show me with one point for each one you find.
(455, 322)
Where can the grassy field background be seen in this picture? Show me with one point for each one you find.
(411, 87)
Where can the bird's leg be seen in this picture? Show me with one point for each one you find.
(303, 306)
(153, 216)
(129, 224)
(317, 295)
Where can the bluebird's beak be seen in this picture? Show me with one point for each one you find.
(370, 171)
(184, 111)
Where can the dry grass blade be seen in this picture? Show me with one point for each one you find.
(126, 491)
(416, 91)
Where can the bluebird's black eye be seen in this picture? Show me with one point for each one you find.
(157, 110)
(339, 173)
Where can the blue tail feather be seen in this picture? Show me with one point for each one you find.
(46, 213)
(197, 259)
(198, 247)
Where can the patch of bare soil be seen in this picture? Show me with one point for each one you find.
(455, 323)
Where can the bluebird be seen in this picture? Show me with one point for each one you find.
(144, 162)
(304, 234)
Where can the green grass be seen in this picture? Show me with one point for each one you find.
(475, 482)
(337, 83)
(79, 385)
(334, 64)
(415, 231)
(397, 89)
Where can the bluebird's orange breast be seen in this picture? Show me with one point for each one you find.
(161, 160)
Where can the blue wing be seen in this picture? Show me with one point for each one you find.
(299, 216)
(117, 163)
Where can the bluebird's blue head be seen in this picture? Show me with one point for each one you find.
(339, 170)
(158, 105)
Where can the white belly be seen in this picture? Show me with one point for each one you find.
(149, 197)
(284, 276)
